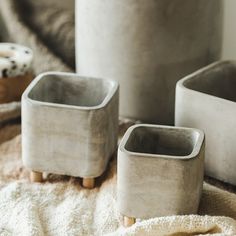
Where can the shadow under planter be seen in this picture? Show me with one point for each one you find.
(160, 171)
(69, 125)
(206, 100)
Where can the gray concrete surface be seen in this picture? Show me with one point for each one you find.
(69, 124)
(160, 171)
(147, 45)
(206, 100)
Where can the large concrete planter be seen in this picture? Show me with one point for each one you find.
(229, 30)
(69, 124)
(146, 45)
(160, 171)
(206, 100)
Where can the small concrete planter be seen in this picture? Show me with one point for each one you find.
(160, 171)
(69, 125)
(206, 100)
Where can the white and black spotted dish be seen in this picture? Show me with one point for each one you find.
(15, 60)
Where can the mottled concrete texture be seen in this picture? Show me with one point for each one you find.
(160, 171)
(147, 45)
(206, 100)
(69, 124)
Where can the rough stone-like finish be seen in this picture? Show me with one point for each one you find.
(69, 124)
(206, 100)
(160, 171)
(146, 45)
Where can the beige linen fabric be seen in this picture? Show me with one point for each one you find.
(61, 207)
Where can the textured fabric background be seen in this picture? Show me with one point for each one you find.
(53, 21)
(60, 206)
(32, 27)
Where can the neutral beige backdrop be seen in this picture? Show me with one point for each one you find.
(229, 30)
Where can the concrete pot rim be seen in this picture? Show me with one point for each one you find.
(114, 87)
(192, 155)
(182, 83)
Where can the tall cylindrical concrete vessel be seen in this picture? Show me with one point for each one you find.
(147, 46)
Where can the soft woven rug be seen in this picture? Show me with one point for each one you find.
(59, 206)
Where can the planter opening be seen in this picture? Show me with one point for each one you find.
(219, 82)
(161, 141)
(69, 90)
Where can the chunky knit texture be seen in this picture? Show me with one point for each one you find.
(61, 207)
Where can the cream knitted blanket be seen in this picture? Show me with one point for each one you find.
(60, 206)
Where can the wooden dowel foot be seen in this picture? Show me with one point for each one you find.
(128, 221)
(88, 183)
(36, 176)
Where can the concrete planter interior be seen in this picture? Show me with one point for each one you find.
(147, 45)
(160, 171)
(69, 125)
(206, 100)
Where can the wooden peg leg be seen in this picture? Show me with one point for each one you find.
(128, 221)
(36, 176)
(88, 183)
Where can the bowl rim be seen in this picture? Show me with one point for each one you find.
(106, 100)
(195, 151)
(181, 84)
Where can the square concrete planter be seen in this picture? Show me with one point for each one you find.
(69, 125)
(206, 100)
(160, 171)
